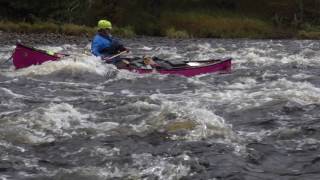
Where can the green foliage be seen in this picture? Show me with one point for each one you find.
(9, 26)
(127, 32)
(204, 25)
(36, 11)
(40, 27)
(72, 29)
(173, 33)
(45, 27)
(173, 18)
(309, 34)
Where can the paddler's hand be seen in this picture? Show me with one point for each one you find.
(126, 50)
(122, 48)
(126, 62)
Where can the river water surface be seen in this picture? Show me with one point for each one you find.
(79, 119)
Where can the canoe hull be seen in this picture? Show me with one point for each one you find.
(24, 56)
(222, 66)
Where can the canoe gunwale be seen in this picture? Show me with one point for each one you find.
(25, 56)
(35, 49)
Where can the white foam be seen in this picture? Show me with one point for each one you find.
(11, 93)
(159, 166)
(143, 165)
(167, 52)
(265, 56)
(105, 152)
(301, 92)
(302, 76)
(51, 48)
(8, 145)
(45, 124)
(146, 48)
(72, 65)
(5, 177)
(247, 93)
(207, 123)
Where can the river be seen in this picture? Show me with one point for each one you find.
(79, 119)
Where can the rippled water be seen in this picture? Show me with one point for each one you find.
(81, 119)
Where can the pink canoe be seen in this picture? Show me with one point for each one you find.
(25, 56)
(188, 68)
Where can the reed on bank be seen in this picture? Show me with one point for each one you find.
(179, 25)
(206, 25)
(66, 29)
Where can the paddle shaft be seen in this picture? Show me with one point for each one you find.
(71, 54)
(7, 60)
(109, 58)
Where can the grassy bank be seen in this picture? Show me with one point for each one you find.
(180, 25)
(205, 25)
(229, 25)
(65, 29)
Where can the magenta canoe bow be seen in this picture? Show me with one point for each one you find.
(25, 56)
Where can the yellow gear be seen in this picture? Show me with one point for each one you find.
(50, 53)
(104, 24)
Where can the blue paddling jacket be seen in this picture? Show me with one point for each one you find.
(105, 46)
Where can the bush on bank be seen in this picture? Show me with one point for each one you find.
(177, 34)
(204, 25)
(178, 25)
(66, 29)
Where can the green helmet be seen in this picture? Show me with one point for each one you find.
(104, 24)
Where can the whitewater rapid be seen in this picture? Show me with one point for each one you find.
(79, 118)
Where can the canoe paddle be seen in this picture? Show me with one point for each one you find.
(85, 52)
(7, 60)
(117, 55)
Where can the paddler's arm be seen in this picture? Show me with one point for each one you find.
(96, 48)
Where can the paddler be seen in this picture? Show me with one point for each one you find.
(104, 45)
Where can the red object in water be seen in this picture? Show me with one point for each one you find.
(25, 56)
(202, 67)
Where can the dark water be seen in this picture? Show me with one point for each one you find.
(80, 119)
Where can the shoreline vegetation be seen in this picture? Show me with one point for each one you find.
(201, 26)
(260, 19)
(59, 28)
